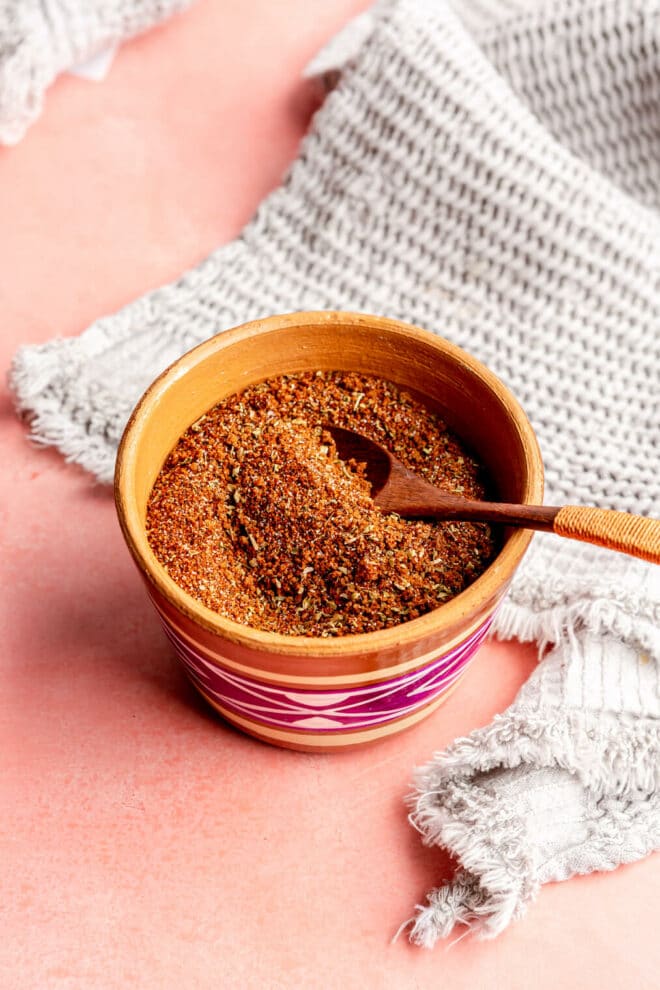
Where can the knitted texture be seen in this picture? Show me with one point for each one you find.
(465, 175)
(39, 39)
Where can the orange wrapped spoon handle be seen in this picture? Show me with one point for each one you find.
(620, 531)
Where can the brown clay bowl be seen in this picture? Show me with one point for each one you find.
(306, 692)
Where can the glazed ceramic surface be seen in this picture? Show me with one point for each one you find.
(305, 692)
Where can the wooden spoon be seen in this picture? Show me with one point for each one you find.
(396, 489)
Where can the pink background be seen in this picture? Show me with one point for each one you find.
(144, 843)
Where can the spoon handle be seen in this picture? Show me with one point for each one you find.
(621, 531)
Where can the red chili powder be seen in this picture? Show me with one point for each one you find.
(255, 516)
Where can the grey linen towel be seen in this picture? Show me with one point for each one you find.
(495, 179)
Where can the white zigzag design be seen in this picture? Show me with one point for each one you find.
(366, 696)
(278, 702)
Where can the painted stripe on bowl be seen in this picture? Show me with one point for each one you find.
(325, 742)
(326, 711)
(338, 681)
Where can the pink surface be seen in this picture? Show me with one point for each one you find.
(144, 843)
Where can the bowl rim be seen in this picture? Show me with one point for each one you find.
(430, 625)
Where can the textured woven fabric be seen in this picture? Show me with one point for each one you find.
(41, 38)
(468, 174)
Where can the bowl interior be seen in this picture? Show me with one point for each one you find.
(473, 402)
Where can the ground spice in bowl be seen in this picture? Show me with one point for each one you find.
(254, 515)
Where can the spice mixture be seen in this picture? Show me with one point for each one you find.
(255, 516)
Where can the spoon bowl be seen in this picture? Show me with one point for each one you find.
(395, 488)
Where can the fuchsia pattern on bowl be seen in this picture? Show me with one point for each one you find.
(322, 709)
(308, 711)
(314, 693)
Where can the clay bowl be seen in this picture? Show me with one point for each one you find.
(305, 692)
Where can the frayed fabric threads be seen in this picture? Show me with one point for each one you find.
(496, 878)
(547, 790)
(490, 177)
(460, 903)
(39, 39)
